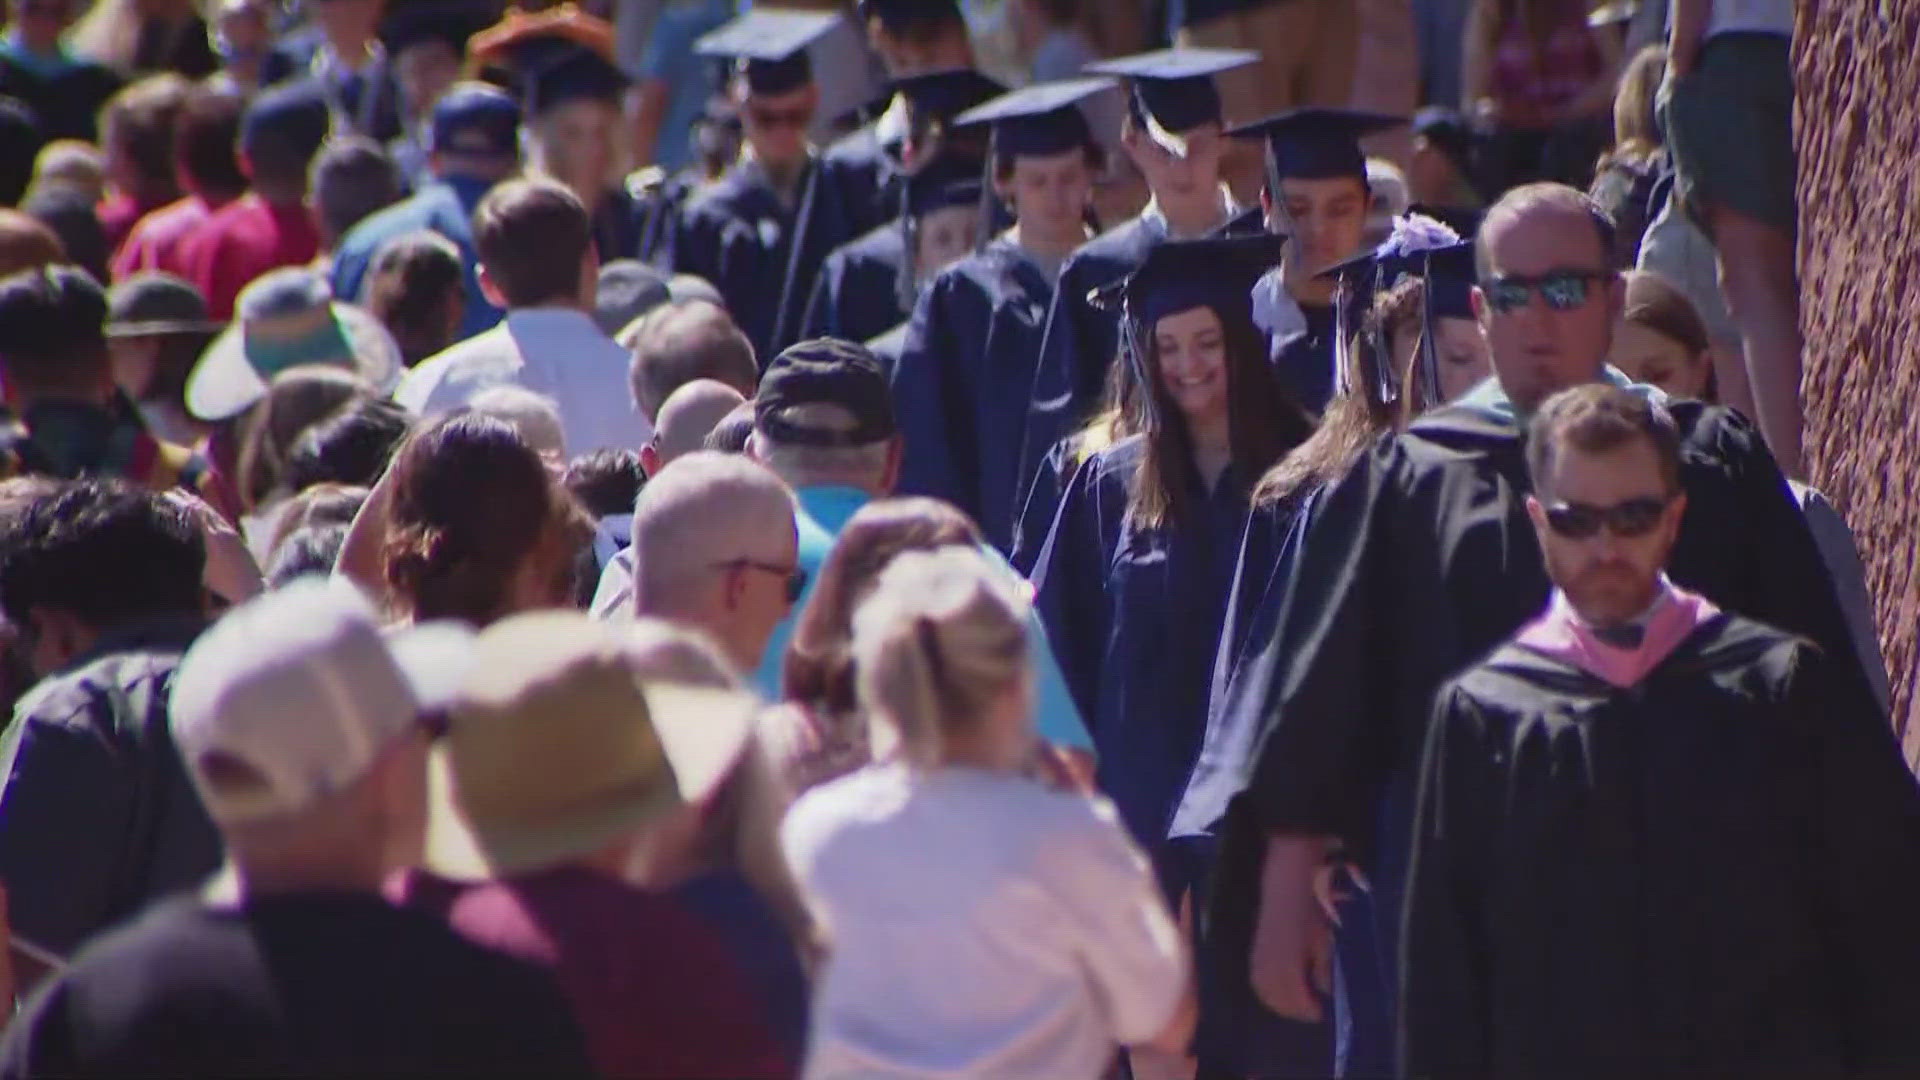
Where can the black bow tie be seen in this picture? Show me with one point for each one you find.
(1626, 636)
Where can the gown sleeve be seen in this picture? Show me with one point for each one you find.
(1061, 396)
(933, 400)
(1445, 1008)
(1072, 598)
(819, 320)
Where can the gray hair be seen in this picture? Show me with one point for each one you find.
(535, 416)
(702, 507)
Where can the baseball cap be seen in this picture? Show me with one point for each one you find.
(287, 699)
(627, 289)
(286, 318)
(558, 747)
(825, 371)
(1447, 130)
(152, 302)
(476, 119)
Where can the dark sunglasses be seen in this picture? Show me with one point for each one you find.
(796, 576)
(1562, 290)
(1580, 521)
(773, 118)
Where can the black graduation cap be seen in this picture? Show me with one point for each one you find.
(1172, 90)
(903, 16)
(1179, 275)
(947, 180)
(1039, 120)
(939, 96)
(1419, 247)
(769, 46)
(573, 74)
(1317, 143)
(450, 21)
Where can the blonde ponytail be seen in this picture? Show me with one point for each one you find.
(938, 643)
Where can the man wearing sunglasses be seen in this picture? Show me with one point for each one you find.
(1653, 837)
(1423, 558)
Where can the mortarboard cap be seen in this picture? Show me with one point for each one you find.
(1179, 275)
(769, 46)
(1317, 143)
(947, 180)
(450, 22)
(576, 73)
(939, 96)
(1172, 90)
(1038, 120)
(1420, 247)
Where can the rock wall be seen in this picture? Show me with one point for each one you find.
(1857, 126)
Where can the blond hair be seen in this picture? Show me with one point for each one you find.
(940, 641)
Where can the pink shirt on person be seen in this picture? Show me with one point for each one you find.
(156, 240)
(243, 240)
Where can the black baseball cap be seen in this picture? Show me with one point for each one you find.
(825, 371)
(152, 303)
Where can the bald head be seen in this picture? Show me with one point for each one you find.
(713, 541)
(689, 414)
(685, 340)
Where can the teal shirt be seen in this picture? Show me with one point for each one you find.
(824, 511)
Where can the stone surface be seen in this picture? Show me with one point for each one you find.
(1857, 126)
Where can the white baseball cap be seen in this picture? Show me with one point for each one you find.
(287, 699)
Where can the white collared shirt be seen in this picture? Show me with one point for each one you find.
(558, 352)
(1154, 216)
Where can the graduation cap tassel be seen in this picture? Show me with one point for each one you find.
(1132, 344)
(1383, 351)
(1342, 342)
(1429, 359)
(904, 288)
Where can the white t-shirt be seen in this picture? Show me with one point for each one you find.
(980, 925)
(1750, 16)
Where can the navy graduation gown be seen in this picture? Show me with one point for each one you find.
(1421, 560)
(857, 296)
(1710, 873)
(959, 386)
(866, 169)
(1305, 364)
(1081, 340)
(1133, 611)
(65, 101)
(739, 235)
(887, 348)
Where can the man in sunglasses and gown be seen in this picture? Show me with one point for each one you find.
(1421, 560)
(1654, 838)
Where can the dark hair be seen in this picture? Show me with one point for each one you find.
(1096, 159)
(1595, 418)
(52, 328)
(1653, 302)
(309, 550)
(413, 279)
(281, 144)
(296, 399)
(175, 355)
(140, 120)
(1263, 423)
(471, 503)
(818, 669)
(683, 340)
(606, 481)
(730, 435)
(532, 236)
(352, 177)
(204, 141)
(351, 447)
(919, 23)
(72, 217)
(103, 550)
(321, 504)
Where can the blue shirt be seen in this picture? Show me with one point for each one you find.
(669, 58)
(445, 206)
(824, 511)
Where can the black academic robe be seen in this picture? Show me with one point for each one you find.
(739, 235)
(887, 348)
(65, 104)
(857, 296)
(1418, 562)
(958, 389)
(1305, 363)
(616, 226)
(1713, 873)
(1081, 340)
(657, 199)
(1132, 611)
(867, 170)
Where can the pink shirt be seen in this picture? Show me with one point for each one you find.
(243, 240)
(156, 241)
(1561, 634)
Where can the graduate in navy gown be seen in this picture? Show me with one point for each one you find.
(1172, 134)
(868, 286)
(1133, 582)
(911, 37)
(960, 383)
(1317, 195)
(761, 232)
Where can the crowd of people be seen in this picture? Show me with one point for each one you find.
(1225, 539)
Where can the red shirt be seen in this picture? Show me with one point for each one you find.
(652, 984)
(243, 240)
(156, 241)
(118, 213)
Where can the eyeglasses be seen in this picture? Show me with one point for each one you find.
(796, 117)
(1562, 290)
(1583, 521)
(796, 576)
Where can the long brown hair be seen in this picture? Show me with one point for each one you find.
(1358, 416)
(1636, 120)
(819, 663)
(1263, 423)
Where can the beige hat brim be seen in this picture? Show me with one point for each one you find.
(703, 733)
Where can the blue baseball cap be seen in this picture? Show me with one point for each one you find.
(476, 119)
